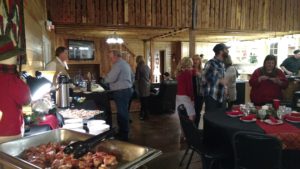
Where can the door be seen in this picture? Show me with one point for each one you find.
(162, 54)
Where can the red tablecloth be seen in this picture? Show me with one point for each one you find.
(51, 120)
(288, 134)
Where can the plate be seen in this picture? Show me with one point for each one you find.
(268, 121)
(235, 115)
(294, 114)
(87, 92)
(73, 126)
(248, 121)
(292, 121)
(77, 120)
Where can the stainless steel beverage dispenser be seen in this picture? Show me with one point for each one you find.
(62, 93)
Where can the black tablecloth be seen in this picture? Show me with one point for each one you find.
(102, 101)
(87, 105)
(220, 128)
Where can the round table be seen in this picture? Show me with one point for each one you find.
(220, 128)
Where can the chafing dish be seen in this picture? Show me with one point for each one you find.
(129, 155)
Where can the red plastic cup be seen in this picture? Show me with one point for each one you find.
(276, 103)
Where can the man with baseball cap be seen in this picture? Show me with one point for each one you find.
(14, 92)
(213, 82)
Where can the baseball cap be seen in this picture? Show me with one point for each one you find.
(219, 47)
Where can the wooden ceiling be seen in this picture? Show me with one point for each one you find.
(171, 20)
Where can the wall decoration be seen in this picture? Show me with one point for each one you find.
(12, 31)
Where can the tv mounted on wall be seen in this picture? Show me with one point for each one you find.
(81, 50)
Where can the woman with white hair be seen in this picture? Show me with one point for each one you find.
(14, 94)
(184, 78)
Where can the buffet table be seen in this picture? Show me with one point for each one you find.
(102, 101)
(220, 128)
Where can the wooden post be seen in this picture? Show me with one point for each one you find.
(145, 50)
(192, 43)
(152, 58)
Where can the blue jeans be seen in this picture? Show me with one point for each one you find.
(121, 98)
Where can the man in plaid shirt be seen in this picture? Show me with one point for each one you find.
(213, 82)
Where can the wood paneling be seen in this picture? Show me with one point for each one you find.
(245, 15)
(101, 52)
(35, 31)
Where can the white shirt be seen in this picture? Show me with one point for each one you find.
(52, 65)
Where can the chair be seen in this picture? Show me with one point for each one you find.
(256, 151)
(164, 101)
(194, 138)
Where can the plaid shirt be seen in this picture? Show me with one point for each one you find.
(213, 72)
(8, 69)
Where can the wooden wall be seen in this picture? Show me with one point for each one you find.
(258, 15)
(144, 13)
(35, 17)
(130, 50)
(267, 15)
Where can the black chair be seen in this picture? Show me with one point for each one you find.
(194, 138)
(256, 151)
(164, 101)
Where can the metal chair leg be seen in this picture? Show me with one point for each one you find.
(188, 164)
(183, 157)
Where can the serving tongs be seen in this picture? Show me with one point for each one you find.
(80, 148)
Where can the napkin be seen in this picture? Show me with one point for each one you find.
(235, 112)
(273, 119)
(249, 117)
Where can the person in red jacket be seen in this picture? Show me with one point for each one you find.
(14, 93)
(184, 77)
(267, 82)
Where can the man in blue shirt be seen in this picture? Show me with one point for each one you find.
(120, 82)
(213, 82)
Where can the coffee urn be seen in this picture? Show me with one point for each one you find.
(62, 93)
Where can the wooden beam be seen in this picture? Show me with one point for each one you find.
(145, 50)
(192, 43)
(152, 54)
(171, 33)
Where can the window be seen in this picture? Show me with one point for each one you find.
(274, 49)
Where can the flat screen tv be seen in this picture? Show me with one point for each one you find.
(81, 50)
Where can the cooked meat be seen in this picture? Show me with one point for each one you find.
(52, 155)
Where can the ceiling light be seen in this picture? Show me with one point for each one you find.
(114, 39)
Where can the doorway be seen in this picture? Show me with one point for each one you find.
(162, 54)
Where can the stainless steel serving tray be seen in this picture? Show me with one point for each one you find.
(129, 155)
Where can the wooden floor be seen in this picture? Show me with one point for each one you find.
(161, 132)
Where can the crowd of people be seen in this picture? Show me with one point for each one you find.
(213, 84)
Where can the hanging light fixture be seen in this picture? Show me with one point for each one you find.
(114, 39)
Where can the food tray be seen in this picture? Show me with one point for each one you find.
(128, 155)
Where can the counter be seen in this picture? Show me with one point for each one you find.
(293, 86)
